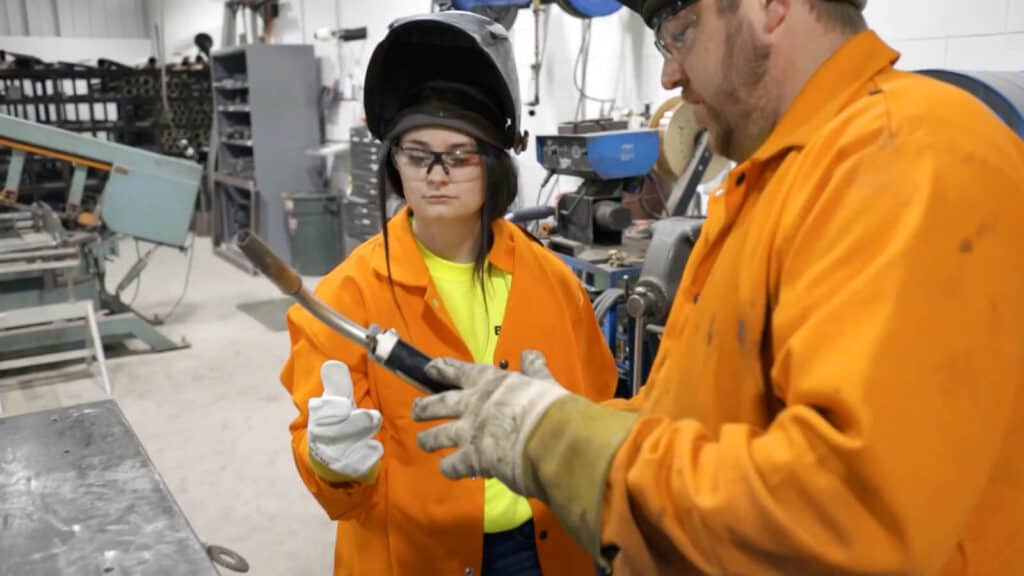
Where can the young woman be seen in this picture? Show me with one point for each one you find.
(455, 279)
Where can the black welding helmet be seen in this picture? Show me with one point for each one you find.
(656, 11)
(453, 69)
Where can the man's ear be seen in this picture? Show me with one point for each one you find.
(775, 13)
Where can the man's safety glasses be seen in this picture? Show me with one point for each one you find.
(673, 28)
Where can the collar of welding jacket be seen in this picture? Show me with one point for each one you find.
(841, 80)
(407, 265)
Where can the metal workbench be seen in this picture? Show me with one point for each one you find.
(79, 495)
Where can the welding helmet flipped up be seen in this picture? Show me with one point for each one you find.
(452, 69)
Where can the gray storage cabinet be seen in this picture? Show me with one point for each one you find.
(266, 99)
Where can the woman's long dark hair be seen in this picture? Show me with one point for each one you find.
(501, 188)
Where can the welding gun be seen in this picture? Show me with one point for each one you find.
(382, 346)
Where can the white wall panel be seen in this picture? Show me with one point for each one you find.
(127, 50)
(81, 26)
(5, 24)
(73, 18)
(918, 54)
(99, 19)
(41, 18)
(13, 11)
(66, 17)
(908, 19)
(976, 17)
(1015, 16)
(1002, 52)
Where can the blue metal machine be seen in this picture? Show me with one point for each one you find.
(591, 221)
(55, 252)
(604, 155)
(611, 163)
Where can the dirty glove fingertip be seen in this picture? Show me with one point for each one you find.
(442, 370)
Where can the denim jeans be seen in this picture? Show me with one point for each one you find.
(511, 553)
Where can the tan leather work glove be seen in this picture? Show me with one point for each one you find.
(526, 430)
(495, 411)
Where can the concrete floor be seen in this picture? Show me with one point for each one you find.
(213, 417)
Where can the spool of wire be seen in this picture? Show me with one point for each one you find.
(678, 131)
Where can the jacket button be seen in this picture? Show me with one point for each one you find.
(503, 364)
(741, 178)
(543, 535)
(434, 302)
(469, 571)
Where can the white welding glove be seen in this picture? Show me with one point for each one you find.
(495, 410)
(340, 435)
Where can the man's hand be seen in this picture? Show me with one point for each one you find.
(340, 435)
(495, 412)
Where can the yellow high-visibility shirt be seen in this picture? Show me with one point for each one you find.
(478, 321)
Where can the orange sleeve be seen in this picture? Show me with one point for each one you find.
(312, 345)
(633, 404)
(897, 340)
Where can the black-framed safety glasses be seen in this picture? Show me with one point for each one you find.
(460, 164)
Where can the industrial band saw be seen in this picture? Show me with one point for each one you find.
(54, 252)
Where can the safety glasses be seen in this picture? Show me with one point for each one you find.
(460, 165)
(673, 28)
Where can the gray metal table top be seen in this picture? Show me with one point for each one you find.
(79, 495)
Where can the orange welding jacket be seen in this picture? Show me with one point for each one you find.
(840, 384)
(413, 520)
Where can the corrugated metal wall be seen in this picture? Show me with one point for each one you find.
(74, 18)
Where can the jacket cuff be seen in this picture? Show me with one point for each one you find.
(337, 480)
(566, 463)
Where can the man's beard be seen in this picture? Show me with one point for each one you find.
(734, 118)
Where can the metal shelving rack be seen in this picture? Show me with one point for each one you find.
(112, 101)
(265, 99)
(360, 212)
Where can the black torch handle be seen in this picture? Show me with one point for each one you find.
(410, 363)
